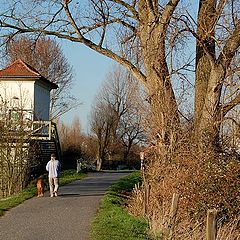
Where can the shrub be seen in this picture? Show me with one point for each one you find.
(204, 181)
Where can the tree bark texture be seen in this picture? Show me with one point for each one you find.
(152, 33)
(210, 75)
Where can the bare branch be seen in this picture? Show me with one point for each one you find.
(152, 9)
(127, 6)
(104, 24)
(233, 120)
(53, 18)
(73, 23)
(168, 12)
(230, 48)
(228, 106)
(136, 72)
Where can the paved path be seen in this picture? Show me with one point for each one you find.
(66, 217)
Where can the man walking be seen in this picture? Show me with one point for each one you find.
(53, 167)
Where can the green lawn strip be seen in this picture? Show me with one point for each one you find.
(66, 177)
(113, 221)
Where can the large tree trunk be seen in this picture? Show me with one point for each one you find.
(208, 128)
(207, 90)
(164, 111)
(210, 75)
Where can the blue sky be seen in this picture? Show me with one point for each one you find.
(90, 70)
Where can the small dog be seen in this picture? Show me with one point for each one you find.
(40, 187)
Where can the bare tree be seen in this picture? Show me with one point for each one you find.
(144, 25)
(102, 124)
(110, 106)
(89, 148)
(46, 56)
(70, 135)
(216, 52)
(145, 32)
(15, 147)
(146, 36)
(131, 129)
(116, 116)
(71, 139)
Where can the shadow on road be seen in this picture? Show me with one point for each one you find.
(66, 195)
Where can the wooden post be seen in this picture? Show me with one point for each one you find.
(49, 130)
(142, 156)
(144, 201)
(211, 224)
(79, 165)
(173, 213)
(146, 197)
(144, 193)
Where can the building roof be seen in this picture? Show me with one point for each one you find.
(20, 69)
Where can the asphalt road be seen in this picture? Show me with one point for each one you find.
(66, 217)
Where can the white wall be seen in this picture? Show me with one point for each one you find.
(28, 95)
(41, 102)
(17, 94)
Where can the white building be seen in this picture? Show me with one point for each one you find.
(23, 88)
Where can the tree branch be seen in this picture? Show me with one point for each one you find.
(228, 106)
(230, 48)
(73, 23)
(137, 73)
(168, 12)
(151, 9)
(81, 39)
(103, 24)
(233, 120)
(128, 7)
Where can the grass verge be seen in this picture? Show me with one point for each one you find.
(113, 221)
(67, 176)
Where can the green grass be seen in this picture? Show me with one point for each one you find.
(113, 221)
(66, 177)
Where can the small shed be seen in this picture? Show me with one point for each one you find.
(23, 87)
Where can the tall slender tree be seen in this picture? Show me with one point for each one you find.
(115, 120)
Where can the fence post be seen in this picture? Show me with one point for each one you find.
(147, 188)
(79, 165)
(173, 213)
(211, 224)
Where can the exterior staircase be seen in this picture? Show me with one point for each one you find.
(47, 148)
(45, 141)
